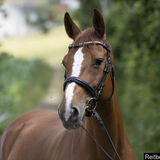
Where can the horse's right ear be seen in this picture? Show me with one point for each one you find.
(98, 23)
(71, 28)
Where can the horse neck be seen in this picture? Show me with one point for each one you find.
(109, 111)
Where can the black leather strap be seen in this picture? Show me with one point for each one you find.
(81, 83)
(106, 46)
(101, 123)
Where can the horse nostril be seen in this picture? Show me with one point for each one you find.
(74, 113)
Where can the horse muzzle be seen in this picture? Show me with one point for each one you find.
(73, 119)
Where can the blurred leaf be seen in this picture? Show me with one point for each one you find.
(22, 83)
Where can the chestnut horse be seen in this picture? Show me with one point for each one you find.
(40, 135)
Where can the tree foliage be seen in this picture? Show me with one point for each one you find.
(84, 13)
(21, 86)
(133, 29)
(41, 17)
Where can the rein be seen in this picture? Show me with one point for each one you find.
(95, 93)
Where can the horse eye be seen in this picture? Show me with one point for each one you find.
(98, 62)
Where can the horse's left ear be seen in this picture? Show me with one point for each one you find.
(98, 23)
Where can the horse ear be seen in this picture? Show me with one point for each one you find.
(71, 28)
(98, 23)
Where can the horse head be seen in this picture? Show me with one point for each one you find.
(84, 64)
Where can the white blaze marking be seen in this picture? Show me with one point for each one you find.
(76, 69)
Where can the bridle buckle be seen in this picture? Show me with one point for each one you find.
(91, 105)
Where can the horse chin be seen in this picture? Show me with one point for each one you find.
(73, 125)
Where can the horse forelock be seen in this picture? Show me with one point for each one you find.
(88, 35)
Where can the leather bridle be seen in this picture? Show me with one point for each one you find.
(95, 93)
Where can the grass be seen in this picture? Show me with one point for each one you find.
(22, 84)
(50, 47)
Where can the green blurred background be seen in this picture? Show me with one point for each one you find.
(31, 74)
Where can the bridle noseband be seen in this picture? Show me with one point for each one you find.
(94, 92)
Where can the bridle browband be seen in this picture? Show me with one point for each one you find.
(95, 92)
